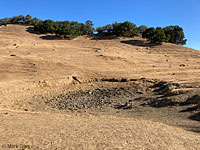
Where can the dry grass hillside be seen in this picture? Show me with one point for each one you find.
(91, 93)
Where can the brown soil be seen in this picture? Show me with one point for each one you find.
(93, 93)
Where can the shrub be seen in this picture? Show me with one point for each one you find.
(155, 35)
(175, 35)
(28, 20)
(100, 30)
(142, 28)
(126, 29)
(89, 27)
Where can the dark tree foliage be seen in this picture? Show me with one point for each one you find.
(108, 28)
(155, 35)
(142, 28)
(149, 33)
(67, 29)
(35, 21)
(28, 20)
(6, 21)
(100, 30)
(175, 35)
(89, 27)
(159, 36)
(126, 29)
(171, 34)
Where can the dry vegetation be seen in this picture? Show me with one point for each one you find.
(89, 93)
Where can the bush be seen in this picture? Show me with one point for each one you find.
(149, 33)
(171, 34)
(155, 35)
(175, 35)
(100, 30)
(28, 20)
(142, 28)
(126, 29)
(88, 27)
(159, 36)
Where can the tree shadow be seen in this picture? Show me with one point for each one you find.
(190, 109)
(31, 30)
(191, 128)
(195, 117)
(104, 36)
(50, 37)
(141, 43)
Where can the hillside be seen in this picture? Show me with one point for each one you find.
(69, 93)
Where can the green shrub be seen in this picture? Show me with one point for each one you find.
(126, 29)
(175, 35)
(155, 35)
(142, 28)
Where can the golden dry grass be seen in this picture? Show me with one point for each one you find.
(44, 66)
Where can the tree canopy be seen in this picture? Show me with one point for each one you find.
(73, 29)
(170, 34)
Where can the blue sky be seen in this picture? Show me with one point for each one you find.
(185, 13)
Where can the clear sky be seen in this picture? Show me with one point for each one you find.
(185, 13)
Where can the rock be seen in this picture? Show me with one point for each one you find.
(12, 55)
(182, 65)
(165, 88)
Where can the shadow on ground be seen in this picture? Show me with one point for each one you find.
(192, 128)
(31, 30)
(195, 117)
(139, 43)
(50, 37)
(104, 37)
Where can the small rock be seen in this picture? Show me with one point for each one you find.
(12, 55)
(182, 65)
